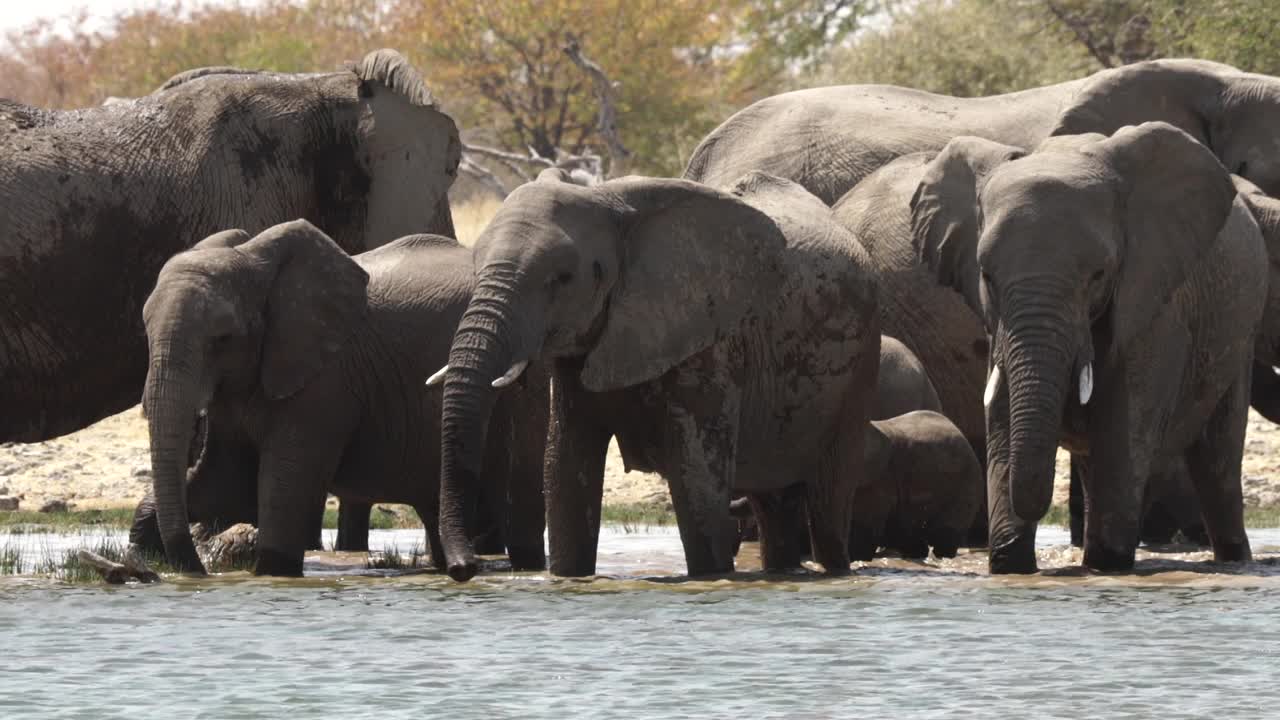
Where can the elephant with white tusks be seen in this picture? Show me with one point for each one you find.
(727, 337)
(1122, 284)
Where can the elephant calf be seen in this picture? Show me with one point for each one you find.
(282, 369)
(921, 487)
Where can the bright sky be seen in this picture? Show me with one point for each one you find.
(15, 14)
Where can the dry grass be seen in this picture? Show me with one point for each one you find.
(472, 216)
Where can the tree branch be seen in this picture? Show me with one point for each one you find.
(619, 155)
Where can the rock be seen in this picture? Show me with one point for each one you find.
(142, 471)
(8, 503)
(55, 506)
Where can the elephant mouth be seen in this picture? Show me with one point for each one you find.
(199, 442)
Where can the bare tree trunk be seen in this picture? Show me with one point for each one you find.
(619, 155)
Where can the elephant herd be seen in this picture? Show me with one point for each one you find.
(857, 304)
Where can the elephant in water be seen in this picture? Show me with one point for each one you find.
(726, 337)
(97, 200)
(282, 368)
(1122, 283)
(830, 139)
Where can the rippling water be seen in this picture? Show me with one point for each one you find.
(1179, 638)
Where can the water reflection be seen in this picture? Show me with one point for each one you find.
(1179, 638)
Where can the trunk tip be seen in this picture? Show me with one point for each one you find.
(463, 570)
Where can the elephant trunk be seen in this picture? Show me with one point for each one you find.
(485, 348)
(172, 402)
(1039, 357)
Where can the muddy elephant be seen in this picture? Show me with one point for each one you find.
(727, 339)
(97, 200)
(828, 139)
(920, 489)
(1122, 284)
(289, 369)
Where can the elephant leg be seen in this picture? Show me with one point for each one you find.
(830, 498)
(1075, 498)
(577, 443)
(778, 517)
(1214, 463)
(700, 478)
(516, 479)
(1113, 489)
(144, 532)
(431, 526)
(292, 475)
(353, 526)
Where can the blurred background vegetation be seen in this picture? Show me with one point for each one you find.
(679, 66)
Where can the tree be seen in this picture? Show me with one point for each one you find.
(960, 47)
(506, 59)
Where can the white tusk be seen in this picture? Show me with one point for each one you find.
(993, 382)
(204, 412)
(438, 377)
(1086, 383)
(511, 374)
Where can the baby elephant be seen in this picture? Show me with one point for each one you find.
(922, 485)
(282, 368)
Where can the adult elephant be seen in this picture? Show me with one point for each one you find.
(728, 340)
(288, 369)
(97, 200)
(1122, 283)
(828, 139)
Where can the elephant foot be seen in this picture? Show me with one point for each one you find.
(527, 558)
(1104, 559)
(1233, 552)
(279, 564)
(180, 552)
(1014, 557)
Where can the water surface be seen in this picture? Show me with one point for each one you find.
(1180, 638)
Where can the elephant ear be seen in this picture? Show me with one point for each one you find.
(945, 218)
(696, 262)
(315, 299)
(1176, 197)
(1183, 93)
(224, 239)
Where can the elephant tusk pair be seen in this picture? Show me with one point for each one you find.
(509, 377)
(1085, 385)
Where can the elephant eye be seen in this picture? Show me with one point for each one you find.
(1244, 168)
(564, 278)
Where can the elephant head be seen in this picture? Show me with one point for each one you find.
(629, 277)
(1062, 251)
(1236, 114)
(237, 317)
(365, 152)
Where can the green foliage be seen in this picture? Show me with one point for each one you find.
(963, 48)
(21, 521)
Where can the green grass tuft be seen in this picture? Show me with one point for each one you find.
(636, 517)
(29, 521)
(391, 559)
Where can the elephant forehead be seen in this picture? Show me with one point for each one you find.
(1055, 178)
